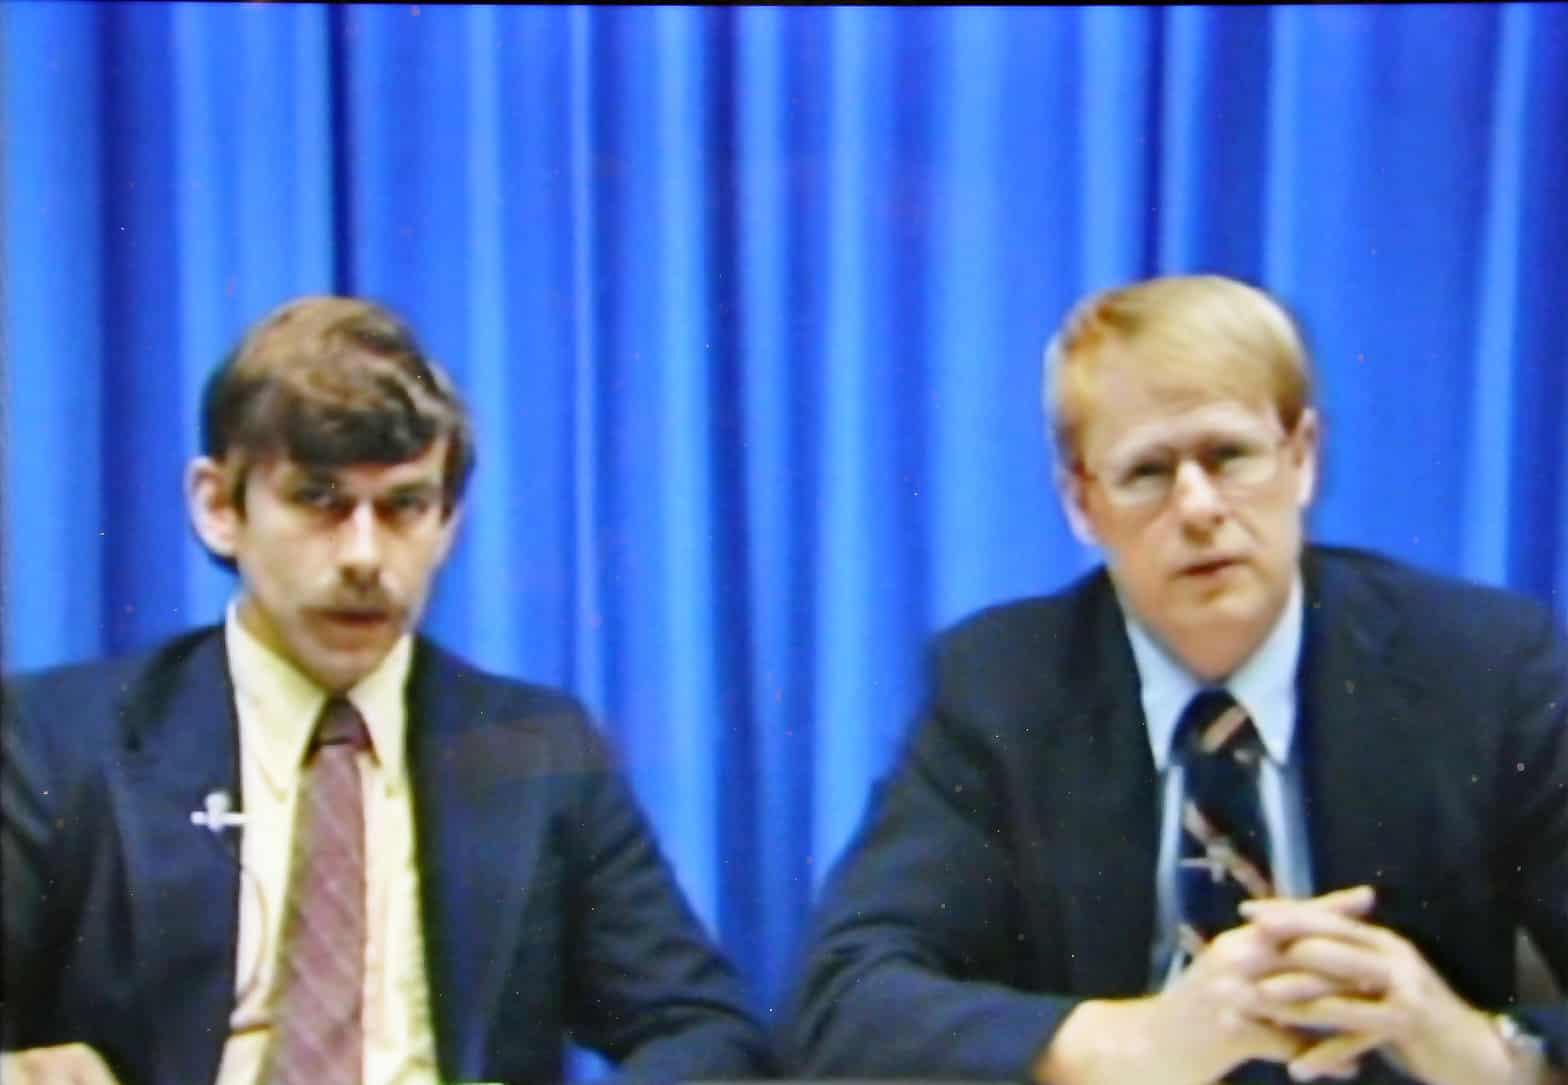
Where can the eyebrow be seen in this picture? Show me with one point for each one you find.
(309, 476)
(1203, 440)
(297, 476)
(422, 485)
(1138, 452)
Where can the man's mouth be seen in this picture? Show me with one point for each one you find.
(357, 617)
(1209, 566)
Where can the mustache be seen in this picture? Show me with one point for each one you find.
(369, 598)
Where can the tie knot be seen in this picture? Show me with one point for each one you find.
(340, 725)
(1213, 723)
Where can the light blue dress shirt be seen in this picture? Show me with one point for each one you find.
(1265, 685)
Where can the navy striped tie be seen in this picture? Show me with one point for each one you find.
(1224, 856)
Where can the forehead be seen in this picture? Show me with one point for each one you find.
(427, 468)
(1134, 415)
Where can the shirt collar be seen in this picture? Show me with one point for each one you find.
(290, 703)
(1265, 683)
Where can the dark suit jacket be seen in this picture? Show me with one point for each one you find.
(547, 906)
(1005, 869)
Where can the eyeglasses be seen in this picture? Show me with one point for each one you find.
(1235, 466)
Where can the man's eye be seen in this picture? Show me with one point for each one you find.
(1225, 453)
(1149, 471)
(408, 506)
(1233, 458)
(316, 497)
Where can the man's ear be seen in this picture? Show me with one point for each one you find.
(209, 497)
(1072, 491)
(1304, 448)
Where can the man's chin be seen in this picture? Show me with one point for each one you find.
(1225, 610)
(1230, 588)
(338, 669)
(1243, 611)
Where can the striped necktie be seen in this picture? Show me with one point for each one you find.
(318, 1033)
(1224, 841)
(1224, 856)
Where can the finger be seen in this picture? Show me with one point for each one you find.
(1284, 920)
(1259, 1039)
(1361, 970)
(1336, 1013)
(1296, 986)
(1242, 951)
(1337, 1057)
(1355, 901)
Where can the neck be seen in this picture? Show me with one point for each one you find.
(1214, 657)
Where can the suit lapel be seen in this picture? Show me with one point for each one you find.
(478, 844)
(182, 881)
(1108, 822)
(1361, 721)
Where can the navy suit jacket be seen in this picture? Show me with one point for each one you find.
(1005, 870)
(546, 904)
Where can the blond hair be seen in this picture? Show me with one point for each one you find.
(1186, 333)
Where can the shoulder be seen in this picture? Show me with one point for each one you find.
(468, 682)
(1048, 632)
(502, 715)
(97, 690)
(63, 721)
(1432, 616)
(1021, 663)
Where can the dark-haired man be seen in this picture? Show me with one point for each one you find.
(308, 845)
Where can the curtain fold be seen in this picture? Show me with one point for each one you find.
(749, 306)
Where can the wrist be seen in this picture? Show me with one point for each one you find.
(1524, 1052)
(1109, 1042)
(1070, 1056)
(1083, 1049)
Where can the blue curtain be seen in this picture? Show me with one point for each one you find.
(749, 305)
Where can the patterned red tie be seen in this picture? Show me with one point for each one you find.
(318, 1033)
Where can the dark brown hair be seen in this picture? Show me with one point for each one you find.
(329, 382)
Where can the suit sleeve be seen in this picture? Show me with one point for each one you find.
(645, 985)
(913, 964)
(1535, 774)
(28, 799)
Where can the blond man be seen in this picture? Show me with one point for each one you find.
(1230, 807)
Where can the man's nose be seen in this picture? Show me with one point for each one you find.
(1197, 499)
(359, 543)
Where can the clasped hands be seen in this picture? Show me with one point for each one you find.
(1311, 984)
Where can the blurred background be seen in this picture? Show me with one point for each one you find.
(749, 305)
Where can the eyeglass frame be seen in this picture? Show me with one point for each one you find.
(1230, 488)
